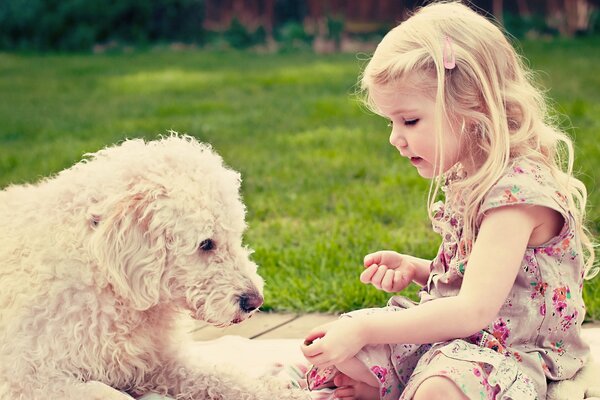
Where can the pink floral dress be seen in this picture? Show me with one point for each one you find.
(536, 335)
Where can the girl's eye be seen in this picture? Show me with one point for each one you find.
(390, 124)
(411, 122)
(206, 245)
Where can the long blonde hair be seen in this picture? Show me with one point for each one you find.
(490, 93)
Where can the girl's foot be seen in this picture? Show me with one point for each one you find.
(350, 389)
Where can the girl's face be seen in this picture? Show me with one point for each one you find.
(411, 116)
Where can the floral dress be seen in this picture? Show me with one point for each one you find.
(536, 335)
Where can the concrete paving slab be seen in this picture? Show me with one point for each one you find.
(299, 327)
(266, 325)
(251, 328)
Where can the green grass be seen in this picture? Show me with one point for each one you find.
(322, 186)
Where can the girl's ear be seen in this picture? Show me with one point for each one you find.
(129, 252)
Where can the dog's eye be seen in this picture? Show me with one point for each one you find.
(95, 221)
(206, 245)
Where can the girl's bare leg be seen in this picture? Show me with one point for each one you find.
(439, 387)
(355, 381)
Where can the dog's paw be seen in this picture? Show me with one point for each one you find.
(581, 386)
(94, 390)
(565, 390)
(593, 392)
(282, 389)
(298, 394)
(291, 375)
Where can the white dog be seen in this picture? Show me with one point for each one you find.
(97, 262)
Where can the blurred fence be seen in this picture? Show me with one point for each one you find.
(324, 25)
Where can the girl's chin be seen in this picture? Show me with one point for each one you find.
(421, 163)
(425, 169)
(422, 166)
(426, 175)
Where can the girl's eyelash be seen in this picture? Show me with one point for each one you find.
(408, 122)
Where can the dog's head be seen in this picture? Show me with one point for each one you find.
(169, 230)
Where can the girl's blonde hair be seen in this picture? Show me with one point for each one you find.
(490, 94)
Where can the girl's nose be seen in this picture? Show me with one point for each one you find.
(397, 139)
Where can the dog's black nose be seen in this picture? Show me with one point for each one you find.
(250, 302)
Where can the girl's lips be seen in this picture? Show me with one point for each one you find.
(415, 160)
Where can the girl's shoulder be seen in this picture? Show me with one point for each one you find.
(527, 170)
(525, 181)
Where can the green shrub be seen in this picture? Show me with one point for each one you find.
(79, 24)
(293, 36)
(238, 37)
(521, 26)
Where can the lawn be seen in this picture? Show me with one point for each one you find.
(321, 183)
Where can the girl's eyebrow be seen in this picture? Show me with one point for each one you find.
(403, 111)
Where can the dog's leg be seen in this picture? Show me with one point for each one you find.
(94, 390)
(592, 372)
(582, 386)
(220, 383)
(61, 388)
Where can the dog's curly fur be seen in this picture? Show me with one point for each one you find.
(97, 263)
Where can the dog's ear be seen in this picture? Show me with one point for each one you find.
(131, 249)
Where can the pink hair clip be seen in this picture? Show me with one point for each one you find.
(449, 58)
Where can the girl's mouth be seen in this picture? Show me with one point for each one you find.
(415, 160)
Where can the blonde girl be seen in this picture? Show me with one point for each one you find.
(501, 306)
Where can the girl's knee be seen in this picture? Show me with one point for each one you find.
(438, 387)
(355, 369)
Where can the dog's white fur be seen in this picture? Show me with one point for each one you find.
(584, 385)
(97, 263)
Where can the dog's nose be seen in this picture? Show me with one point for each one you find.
(250, 302)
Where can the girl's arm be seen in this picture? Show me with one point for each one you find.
(492, 268)
(422, 269)
(490, 274)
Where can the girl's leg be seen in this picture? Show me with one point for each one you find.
(438, 388)
(349, 389)
(355, 381)
(355, 369)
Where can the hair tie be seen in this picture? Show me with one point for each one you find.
(449, 58)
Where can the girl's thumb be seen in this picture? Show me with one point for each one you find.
(312, 336)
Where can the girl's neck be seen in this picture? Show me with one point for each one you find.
(471, 164)
(455, 173)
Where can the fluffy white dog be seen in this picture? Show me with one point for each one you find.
(97, 263)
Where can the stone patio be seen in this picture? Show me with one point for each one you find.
(266, 325)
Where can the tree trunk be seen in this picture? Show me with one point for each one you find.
(523, 8)
(497, 9)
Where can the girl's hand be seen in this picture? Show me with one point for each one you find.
(334, 343)
(388, 271)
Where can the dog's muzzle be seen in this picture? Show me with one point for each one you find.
(250, 302)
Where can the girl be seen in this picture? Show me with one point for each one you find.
(501, 306)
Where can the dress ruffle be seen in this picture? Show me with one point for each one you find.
(479, 372)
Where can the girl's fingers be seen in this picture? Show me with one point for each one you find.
(368, 260)
(373, 258)
(378, 277)
(345, 392)
(367, 274)
(398, 280)
(387, 283)
(342, 380)
(311, 346)
(320, 361)
(310, 351)
(313, 335)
